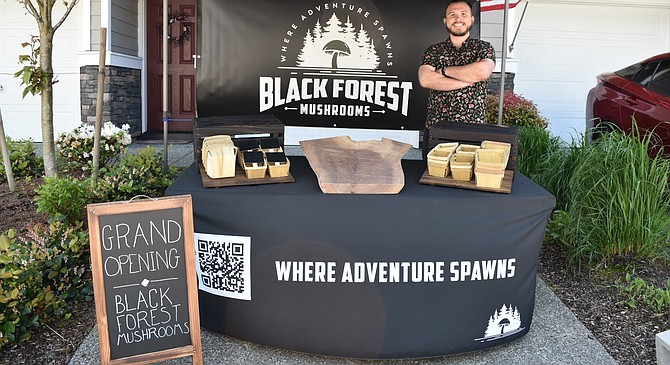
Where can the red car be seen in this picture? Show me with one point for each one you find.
(640, 92)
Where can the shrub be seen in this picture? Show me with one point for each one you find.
(139, 173)
(517, 110)
(63, 196)
(40, 272)
(24, 161)
(77, 146)
(617, 202)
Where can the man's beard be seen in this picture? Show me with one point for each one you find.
(459, 34)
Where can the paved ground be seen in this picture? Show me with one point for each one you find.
(555, 336)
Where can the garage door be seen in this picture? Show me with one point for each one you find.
(561, 47)
(21, 116)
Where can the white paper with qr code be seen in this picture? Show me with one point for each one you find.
(223, 265)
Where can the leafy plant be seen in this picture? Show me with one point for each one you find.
(637, 291)
(32, 75)
(517, 110)
(40, 272)
(63, 196)
(139, 173)
(77, 146)
(25, 162)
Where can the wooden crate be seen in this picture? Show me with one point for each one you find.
(237, 127)
(471, 133)
(505, 187)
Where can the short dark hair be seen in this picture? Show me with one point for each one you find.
(469, 3)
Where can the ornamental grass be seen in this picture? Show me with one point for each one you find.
(615, 200)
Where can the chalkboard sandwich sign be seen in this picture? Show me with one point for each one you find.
(146, 295)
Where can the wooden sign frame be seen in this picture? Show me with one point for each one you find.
(95, 212)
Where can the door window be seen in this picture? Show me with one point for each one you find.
(646, 74)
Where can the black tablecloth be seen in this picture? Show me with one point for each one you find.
(457, 266)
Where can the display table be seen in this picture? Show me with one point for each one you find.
(427, 272)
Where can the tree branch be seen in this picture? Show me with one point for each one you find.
(28, 5)
(67, 12)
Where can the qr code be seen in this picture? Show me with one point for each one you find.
(223, 265)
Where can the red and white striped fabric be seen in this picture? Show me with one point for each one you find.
(488, 5)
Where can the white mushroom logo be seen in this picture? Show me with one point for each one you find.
(336, 48)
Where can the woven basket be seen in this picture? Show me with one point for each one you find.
(494, 159)
(467, 148)
(253, 170)
(489, 178)
(438, 159)
(438, 169)
(461, 166)
(497, 145)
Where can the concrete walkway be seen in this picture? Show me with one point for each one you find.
(556, 336)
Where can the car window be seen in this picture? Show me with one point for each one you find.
(661, 81)
(630, 71)
(646, 73)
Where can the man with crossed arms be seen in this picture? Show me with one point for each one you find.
(456, 71)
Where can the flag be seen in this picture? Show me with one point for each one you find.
(488, 5)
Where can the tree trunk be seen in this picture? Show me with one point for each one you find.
(48, 143)
(5, 157)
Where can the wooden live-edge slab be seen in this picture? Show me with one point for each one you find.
(240, 179)
(505, 188)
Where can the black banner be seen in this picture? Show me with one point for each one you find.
(427, 272)
(313, 63)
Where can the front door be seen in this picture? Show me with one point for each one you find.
(181, 71)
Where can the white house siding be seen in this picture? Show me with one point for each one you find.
(21, 117)
(563, 45)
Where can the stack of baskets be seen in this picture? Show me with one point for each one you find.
(487, 162)
(439, 158)
(256, 156)
(462, 162)
(218, 156)
(490, 162)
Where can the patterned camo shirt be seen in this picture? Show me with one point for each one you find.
(461, 105)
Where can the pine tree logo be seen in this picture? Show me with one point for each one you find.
(504, 322)
(338, 45)
(329, 67)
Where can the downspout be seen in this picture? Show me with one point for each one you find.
(502, 64)
(165, 85)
